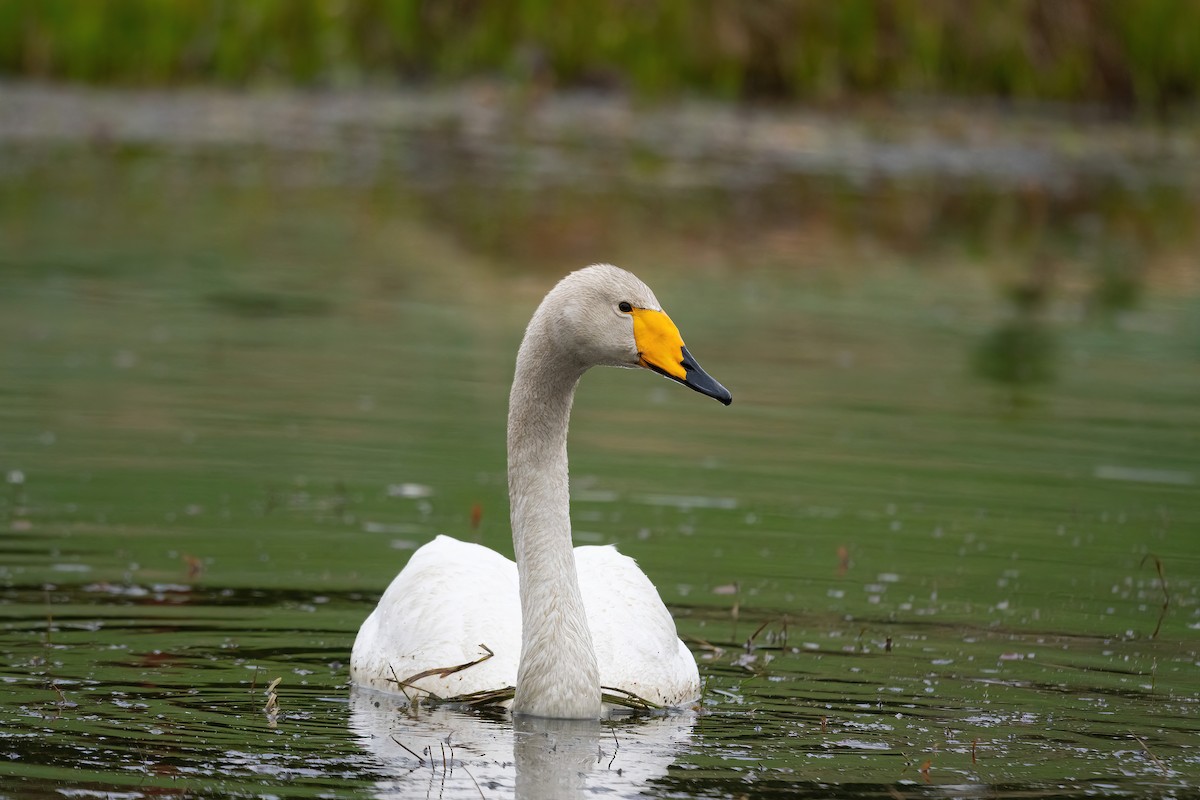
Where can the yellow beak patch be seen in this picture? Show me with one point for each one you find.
(658, 342)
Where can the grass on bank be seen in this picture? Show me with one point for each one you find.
(1126, 55)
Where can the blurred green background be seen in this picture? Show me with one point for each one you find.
(1142, 56)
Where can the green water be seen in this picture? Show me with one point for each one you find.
(229, 410)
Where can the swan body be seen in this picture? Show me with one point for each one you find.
(469, 600)
(560, 622)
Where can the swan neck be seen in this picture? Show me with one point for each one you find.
(558, 674)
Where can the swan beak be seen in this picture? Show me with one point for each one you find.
(660, 348)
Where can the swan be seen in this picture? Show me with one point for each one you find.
(562, 622)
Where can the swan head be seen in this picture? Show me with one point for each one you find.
(606, 316)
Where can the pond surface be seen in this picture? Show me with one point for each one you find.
(231, 408)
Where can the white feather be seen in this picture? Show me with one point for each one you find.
(455, 598)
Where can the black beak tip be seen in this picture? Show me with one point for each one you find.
(702, 382)
(716, 391)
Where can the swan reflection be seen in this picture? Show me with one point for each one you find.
(440, 752)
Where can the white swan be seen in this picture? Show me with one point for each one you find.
(560, 623)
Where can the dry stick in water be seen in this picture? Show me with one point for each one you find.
(616, 746)
(783, 632)
(750, 642)
(49, 620)
(1153, 757)
(472, 777)
(420, 760)
(613, 696)
(484, 697)
(704, 644)
(444, 672)
(271, 709)
(1162, 581)
(394, 679)
(626, 699)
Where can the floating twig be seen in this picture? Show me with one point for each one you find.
(782, 636)
(705, 645)
(420, 760)
(482, 699)
(472, 777)
(750, 642)
(495, 697)
(271, 709)
(195, 566)
(444, 672)
(49, 620)
(1153, 757)
(403, 686)
(1162, 582)
(616, 746)
(406, 685)
(626, 699)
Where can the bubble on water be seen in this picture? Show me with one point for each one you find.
(16, 477)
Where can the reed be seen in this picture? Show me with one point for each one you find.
(1140, 56)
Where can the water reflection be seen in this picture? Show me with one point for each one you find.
(450, 753)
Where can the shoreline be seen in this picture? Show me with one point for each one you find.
(691, 143)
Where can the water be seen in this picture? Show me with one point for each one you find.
(230, 409)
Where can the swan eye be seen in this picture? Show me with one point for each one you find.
(625, 307)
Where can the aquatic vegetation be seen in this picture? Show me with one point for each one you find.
(1143, 55)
